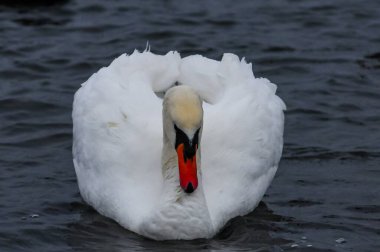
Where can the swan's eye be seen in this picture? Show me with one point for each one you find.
(181, 137)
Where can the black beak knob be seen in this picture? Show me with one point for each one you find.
(189, 188)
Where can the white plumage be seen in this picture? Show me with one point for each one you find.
(118, 143)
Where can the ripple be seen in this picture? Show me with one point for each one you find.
(223, 23)
(375, 56)
(161, 34)
(50, 139)
(40, 21)
(21, 75)
(366, 209)
(32, 4)
(66, 208)
(279, 49)
(31, 127)
(321, 153)
(298, 203)
(187, 21)
(319, 225)
(28, 105)
(306, 111)
(93, 9)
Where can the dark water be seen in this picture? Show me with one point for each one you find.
(324, 56)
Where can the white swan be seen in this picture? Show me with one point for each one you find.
(160, 186)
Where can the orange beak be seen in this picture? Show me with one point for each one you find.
(187, 170)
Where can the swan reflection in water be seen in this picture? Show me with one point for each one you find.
(94, 232)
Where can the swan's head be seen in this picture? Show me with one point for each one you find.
(183, 119)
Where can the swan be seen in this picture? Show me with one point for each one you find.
(173, 148)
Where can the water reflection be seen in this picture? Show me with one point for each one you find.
(254, 231)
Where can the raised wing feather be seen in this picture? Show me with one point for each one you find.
(118, 135)
(242, 135)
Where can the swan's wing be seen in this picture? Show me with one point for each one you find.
(242, 135)
(118, 135)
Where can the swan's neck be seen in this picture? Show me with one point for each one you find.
(179, 215)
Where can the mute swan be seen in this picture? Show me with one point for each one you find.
(222, 141)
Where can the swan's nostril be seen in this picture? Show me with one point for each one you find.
(189, 188)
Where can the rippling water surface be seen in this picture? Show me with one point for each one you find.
(324, 56)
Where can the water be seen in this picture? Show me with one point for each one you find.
(324, 56)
